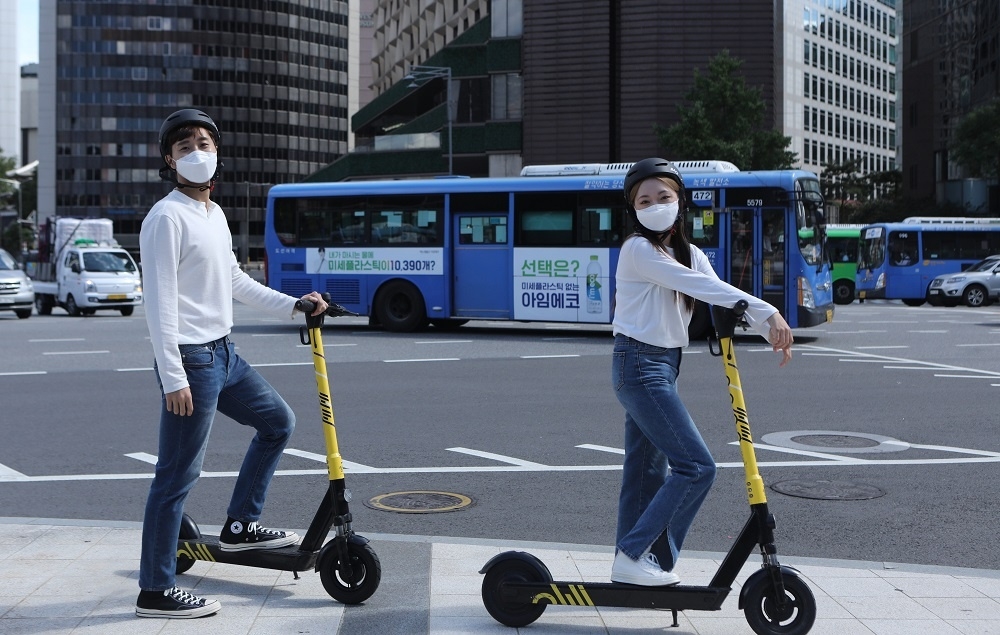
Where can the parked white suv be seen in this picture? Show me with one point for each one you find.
(978, 285)
(16, 291)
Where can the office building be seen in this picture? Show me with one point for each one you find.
(10, 94)
(951, 66)
(552, 81)
(273, 75)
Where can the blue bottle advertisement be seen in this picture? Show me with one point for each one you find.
(594, 286)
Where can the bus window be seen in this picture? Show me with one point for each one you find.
(544, 219)
(405, 220)
(903, 249)
(601, 218)
(483, 230)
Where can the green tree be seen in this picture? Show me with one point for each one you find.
(724, 119)
(6, 189)
(976, 146)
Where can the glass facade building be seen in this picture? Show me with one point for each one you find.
(271, 73)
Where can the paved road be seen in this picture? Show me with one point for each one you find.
(891, 401)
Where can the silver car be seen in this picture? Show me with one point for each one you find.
(16, 291)
(978, 285)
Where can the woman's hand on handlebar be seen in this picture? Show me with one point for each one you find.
(317, 300)
(780, 337)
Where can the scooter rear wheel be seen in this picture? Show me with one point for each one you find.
(367, 572)
(507, 611)
(189, 531)
(762, 612)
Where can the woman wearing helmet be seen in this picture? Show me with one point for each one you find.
(191, 277)
(668, 469)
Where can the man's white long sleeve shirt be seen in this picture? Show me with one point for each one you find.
(190, 277)
(648, 310)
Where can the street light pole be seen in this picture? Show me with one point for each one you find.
(420, 75)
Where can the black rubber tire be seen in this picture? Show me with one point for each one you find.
(71, 306)
(400, 307)
(126, 310)
(512, 613)
(367, 574)
(843, 292)
(913, 301)
(760, 610)
(22, 314)
(975, 295)
(189, 531)
(44, 304)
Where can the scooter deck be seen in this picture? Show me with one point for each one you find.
(208, 549)
(677, 597)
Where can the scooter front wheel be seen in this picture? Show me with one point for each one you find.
(507, 610)
(189, 531)
(764, 616)
(366, 569)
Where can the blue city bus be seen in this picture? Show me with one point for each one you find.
(897, 261)
(536, 248)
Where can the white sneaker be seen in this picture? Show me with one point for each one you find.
(645, 571)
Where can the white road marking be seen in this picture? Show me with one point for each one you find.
(142, 456)
(430, 359)
(134, 370)
(284, 364)
(862, 348)
(444, 342)
(324, 346)
(8, 474)
(601, 448)
(75, 352)
(496, 457)
(977, 345)
(925, 332)
(545, 356)
(24, 372)
(64, 339)
(349, 466)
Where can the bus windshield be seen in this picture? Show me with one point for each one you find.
(871, 254)
(809, 220)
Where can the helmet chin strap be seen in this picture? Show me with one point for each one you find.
(201, 188)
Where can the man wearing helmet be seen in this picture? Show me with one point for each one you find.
(190, 278)
(668, 469)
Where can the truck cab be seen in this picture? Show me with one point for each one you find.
(92, 277)
(84, 270)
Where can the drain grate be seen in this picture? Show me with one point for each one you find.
(419, 502)
(829, 490)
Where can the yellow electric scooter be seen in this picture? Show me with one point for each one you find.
(517, 586)
(348, 566)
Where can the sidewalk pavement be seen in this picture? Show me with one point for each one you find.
(80, 577)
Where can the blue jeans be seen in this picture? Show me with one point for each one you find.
(668, 469)
(219, 380)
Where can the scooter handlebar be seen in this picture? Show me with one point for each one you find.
(333, 310)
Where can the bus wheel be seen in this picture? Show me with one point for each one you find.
(843, 292)
(400, 307)
(913, 301)
(974, 295)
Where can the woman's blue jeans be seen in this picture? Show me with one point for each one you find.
(219, 380)
(668, 469)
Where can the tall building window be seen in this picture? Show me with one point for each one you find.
(506, 18)
(506, 96)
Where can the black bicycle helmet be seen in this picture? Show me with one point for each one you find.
(186, 117)
(642, 170)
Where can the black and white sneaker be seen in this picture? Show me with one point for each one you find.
(174, 603)
(240, 536)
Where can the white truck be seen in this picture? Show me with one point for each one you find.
(82, 269)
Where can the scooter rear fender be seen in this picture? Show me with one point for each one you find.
(515, 555)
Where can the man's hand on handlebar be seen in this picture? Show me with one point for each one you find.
(316, 299)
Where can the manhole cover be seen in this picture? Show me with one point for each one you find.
(829, 490)
(835, 441)
(419, 502)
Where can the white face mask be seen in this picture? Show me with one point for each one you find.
(658, 218)
(198, 166)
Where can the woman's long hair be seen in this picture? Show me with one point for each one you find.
(674, 237)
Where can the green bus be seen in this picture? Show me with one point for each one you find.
(842, 247)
